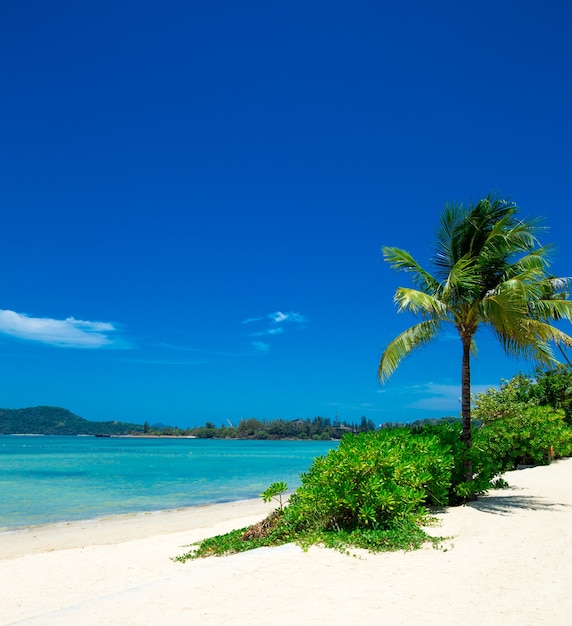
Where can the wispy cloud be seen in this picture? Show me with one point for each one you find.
(251, 320)
(289, 318)
(435, 397)
(438, 396)
(268, 331)
(261, 346)
(274, 324)
(67, 333)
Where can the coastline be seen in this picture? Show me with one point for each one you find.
(115, 529)
(508, 560)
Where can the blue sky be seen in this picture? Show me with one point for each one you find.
(194, 196)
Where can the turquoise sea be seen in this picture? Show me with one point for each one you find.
(46, 479)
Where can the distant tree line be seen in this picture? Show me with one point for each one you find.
(419, 424)
(318, 428)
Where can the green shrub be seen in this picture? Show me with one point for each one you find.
(449, 434)
(554, 388)
(372, 492)
(549, 388)
(535, 436)
(372, 480)
(513, 397)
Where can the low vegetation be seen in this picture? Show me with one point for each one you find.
(377, 490)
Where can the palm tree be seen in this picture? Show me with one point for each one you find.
(490, 270)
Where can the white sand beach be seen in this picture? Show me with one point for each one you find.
(508, 561)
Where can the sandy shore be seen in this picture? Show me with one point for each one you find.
(509, 561)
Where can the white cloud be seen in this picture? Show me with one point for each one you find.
(274, 324)
(278, 317)
(68, 333)
(291, 317)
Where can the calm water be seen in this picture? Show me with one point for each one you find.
(53, 479)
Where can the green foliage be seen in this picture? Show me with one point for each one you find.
(274, 492)
(372, 492)
(534, 437)
(510, 401)
(554, 388)
(525, 422)
(371, 480)
(403, 535)
(551, 387)
(460, 490)
(221, 545)
(208, 431)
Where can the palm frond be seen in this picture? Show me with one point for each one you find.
(535, 262)
(464, 279)
(515, 236)
(412, 338)
(539, 351)
(504, 307)
(546, 310)
(485, 224)
(419, 302)
(446, 253)
(543, 331)
(557, 285)
(401, 260)
(524, 236)
(532, 339)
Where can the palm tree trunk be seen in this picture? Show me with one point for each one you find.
(466, 403)
(564, 355)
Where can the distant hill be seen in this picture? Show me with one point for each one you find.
(50, 420)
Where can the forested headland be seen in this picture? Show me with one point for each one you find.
(50, 420)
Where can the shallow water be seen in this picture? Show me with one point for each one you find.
(54, 479)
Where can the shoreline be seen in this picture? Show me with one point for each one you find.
(114, 529)
(507, 561)
(5, 530)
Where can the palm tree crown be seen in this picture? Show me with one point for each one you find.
(489, 269)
